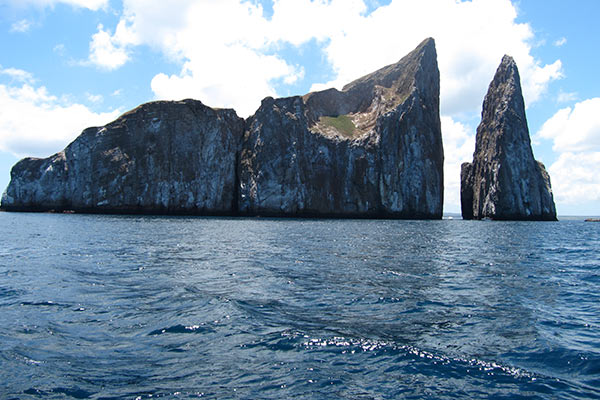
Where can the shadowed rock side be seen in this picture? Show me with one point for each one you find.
(162, 157)
(504, 182)
(373, 149)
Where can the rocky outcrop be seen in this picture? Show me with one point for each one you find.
(373, 149)
(504, 181)
(162, 157)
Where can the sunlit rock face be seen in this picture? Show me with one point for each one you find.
(373, 149)
(162, 157)
(504, 181)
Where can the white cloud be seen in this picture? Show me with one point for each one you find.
(471, 38)
(566, 97)
(459, 144)
(35, 123)
(575, 132)
(17, 75)
(297, 21)
(94, 98)
(222, 47)
(575, 179)
(560, 42)
(539, 77)
(225, 85)
(106, 51)
(575, 129)
(228, 46)
(295, 76)
(93, 5)
(21, 26)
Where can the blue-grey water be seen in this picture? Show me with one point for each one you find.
(122, 307)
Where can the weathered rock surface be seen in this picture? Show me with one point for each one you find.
(504, 181)
(372, 149)
(162, 157)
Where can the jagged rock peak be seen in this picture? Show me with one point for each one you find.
(365, 99)
(403, 74)
(504, 181)
(504, 98)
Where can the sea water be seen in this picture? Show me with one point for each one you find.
(131, 307)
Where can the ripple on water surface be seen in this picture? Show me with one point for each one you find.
(158, 307)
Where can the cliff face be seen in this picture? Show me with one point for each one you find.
(159, 157)
(504, 181)
(373, 149)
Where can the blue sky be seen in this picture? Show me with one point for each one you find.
(69, 64)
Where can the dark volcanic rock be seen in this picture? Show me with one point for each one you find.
(159, 157)
(372, 149)
(504, 181)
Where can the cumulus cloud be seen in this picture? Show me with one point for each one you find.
(107, 51)
(575, 129)
(536, 83)
(471, 38)
(229, 46)
(35, 123)
(575, 178)
(240, 89)
(222, 46)
(298, 21)
(575, 132)
(17, 75)
(459, 144)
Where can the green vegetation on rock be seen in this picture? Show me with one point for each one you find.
(342, 124)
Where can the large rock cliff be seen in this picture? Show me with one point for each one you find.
(162, 157)
(505, 182)
(373, 149)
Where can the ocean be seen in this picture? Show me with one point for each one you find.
(141, 307)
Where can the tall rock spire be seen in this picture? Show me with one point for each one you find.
(504, 181)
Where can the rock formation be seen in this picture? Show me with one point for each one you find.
(162, 157)
(505, 182)
(373, 149)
